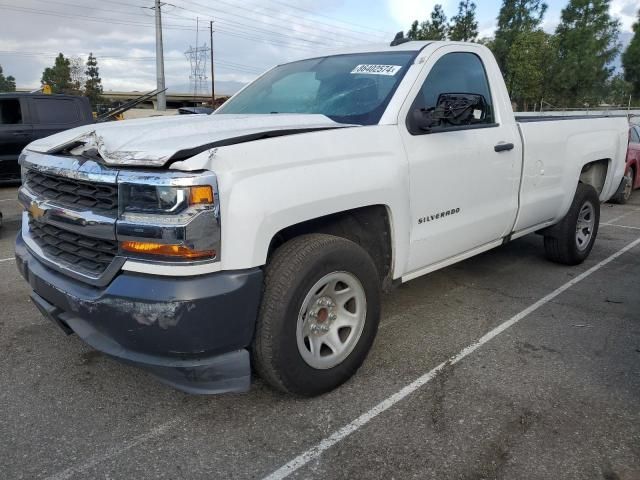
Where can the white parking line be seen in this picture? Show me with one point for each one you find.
(621, 216)
(114, 451)
(620, 226)
(9, 200)
(6, 259)
(317, 450)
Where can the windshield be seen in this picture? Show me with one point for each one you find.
(346, 88)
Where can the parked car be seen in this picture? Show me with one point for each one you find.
(631, 179)
(195, 110)
(198, 246)
(27, 117)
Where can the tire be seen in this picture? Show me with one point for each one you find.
(624, 194)
(565, 242)
(298, 313)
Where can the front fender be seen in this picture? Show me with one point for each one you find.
(268, 185)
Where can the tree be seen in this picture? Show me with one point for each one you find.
(464, 26)
(435, 29)
(93, 84)
(530, 67)
(587, 44)
(76, 69)
(618, 91)
(58, 77)
(515, 17)
(7, 84)
(414, 31)
(631, 60)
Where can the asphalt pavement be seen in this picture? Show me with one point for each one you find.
(503, 366)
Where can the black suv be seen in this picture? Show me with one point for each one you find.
(25, 117)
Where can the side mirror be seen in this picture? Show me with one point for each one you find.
(461, 108)
(451, 110)
(422, 121)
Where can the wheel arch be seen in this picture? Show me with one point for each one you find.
(370, 227)
(595, 173)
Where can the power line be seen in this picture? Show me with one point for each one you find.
(139, 13)
(295, 7)
(75, 5)
(245, 26)
(287, 22)
(88, 18)
(226, 32)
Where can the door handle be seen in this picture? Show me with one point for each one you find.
(20, 134)
(503, 147)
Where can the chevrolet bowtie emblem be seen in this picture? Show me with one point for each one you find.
(36, 211)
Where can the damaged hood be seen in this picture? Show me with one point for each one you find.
(152, 142)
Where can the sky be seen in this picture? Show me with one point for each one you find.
(250, 35)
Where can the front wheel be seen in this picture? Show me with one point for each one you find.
(319, 314)
(570, 241)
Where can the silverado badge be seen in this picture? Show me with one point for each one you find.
(438, 216)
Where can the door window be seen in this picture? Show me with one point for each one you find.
(56, 110)
(10, 111)
(635, 138)
(456, 73)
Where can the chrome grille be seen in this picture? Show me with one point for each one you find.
(98, 197)
(87, 255)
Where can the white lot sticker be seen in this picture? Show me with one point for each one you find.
(389, 70)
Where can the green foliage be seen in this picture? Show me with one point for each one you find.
(434, 29)
(7, 84)
(587, 44)
(530, 68)
(58, 77)
(464, 26)
(631, 60)
(414, 31)
(515, 17)
(93, 84)
(76, 68)
(437, 28)
(618, 91)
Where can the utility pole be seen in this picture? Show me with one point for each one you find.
(213, 87)
(161, 99)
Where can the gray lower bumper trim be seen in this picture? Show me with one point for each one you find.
(228, 372)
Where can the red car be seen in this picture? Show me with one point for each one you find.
(631, 178)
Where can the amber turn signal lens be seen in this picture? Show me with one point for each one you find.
(150, 248)
(200, 194)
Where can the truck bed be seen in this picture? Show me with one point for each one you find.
(554, 156)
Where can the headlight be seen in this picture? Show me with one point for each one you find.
(163, 200)
(169, 223)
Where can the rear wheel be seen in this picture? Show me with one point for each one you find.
(570, 241)
(319, 314)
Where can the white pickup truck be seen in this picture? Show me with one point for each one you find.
(262, 235)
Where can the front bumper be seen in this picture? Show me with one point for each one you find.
(190, 332)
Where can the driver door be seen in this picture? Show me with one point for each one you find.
(464, 179)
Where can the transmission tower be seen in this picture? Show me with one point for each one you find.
(197, 57)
